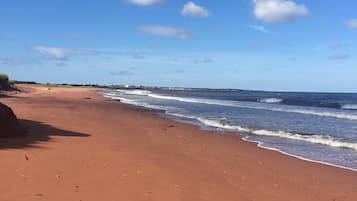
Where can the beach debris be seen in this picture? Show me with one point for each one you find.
(27, 158)
(38, 194)
(58, 176)
(171, 126)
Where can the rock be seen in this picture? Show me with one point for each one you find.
(9, 125)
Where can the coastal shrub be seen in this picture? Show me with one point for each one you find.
(4, 82)
(4, 76)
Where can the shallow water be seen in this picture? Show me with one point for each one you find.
(314, 126)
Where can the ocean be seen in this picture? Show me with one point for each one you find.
(320, 127)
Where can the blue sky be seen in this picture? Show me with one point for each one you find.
(290, 45)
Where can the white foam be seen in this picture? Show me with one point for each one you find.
(316, 139)
(219, 124)
(330, 142)
(338, 115)
(261, 145)
(349, 106)
(138, 92)
(271, 100)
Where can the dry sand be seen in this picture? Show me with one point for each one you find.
(81, 146)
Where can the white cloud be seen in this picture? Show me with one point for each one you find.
(165, 31)
(51, 52)
(352, 24)
(260, 28)
(146, 2)
(194, 10)
(61, 53)
(278, 11)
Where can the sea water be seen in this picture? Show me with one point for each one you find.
(320, 127)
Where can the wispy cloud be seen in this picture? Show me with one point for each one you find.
(61, 53)
(156, 46)
(194, 10)
(255, 45)
(61, 64)
(202, 61)
(339, 56)
(278, 11)
(137, 55)
(146, 2)
(179, 71)
(165, 31)
(260, 28)
(51, 52)
(352, 24)
(11, 61)
(335, 45)
(76, 36)
(122, 73)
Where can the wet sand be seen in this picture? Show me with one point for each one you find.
(81, 146)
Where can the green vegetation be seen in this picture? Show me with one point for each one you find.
(4, 77)
(4, 82)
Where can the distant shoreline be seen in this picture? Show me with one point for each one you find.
(124, 86)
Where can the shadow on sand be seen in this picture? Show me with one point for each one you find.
(36, 132)
(4, 96)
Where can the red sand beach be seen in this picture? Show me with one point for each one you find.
(81, 146)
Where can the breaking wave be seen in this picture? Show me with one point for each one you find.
(271, 100)
(311, 138)
(349, 106)
(239, 104)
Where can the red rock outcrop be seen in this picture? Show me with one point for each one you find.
(9, 125)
